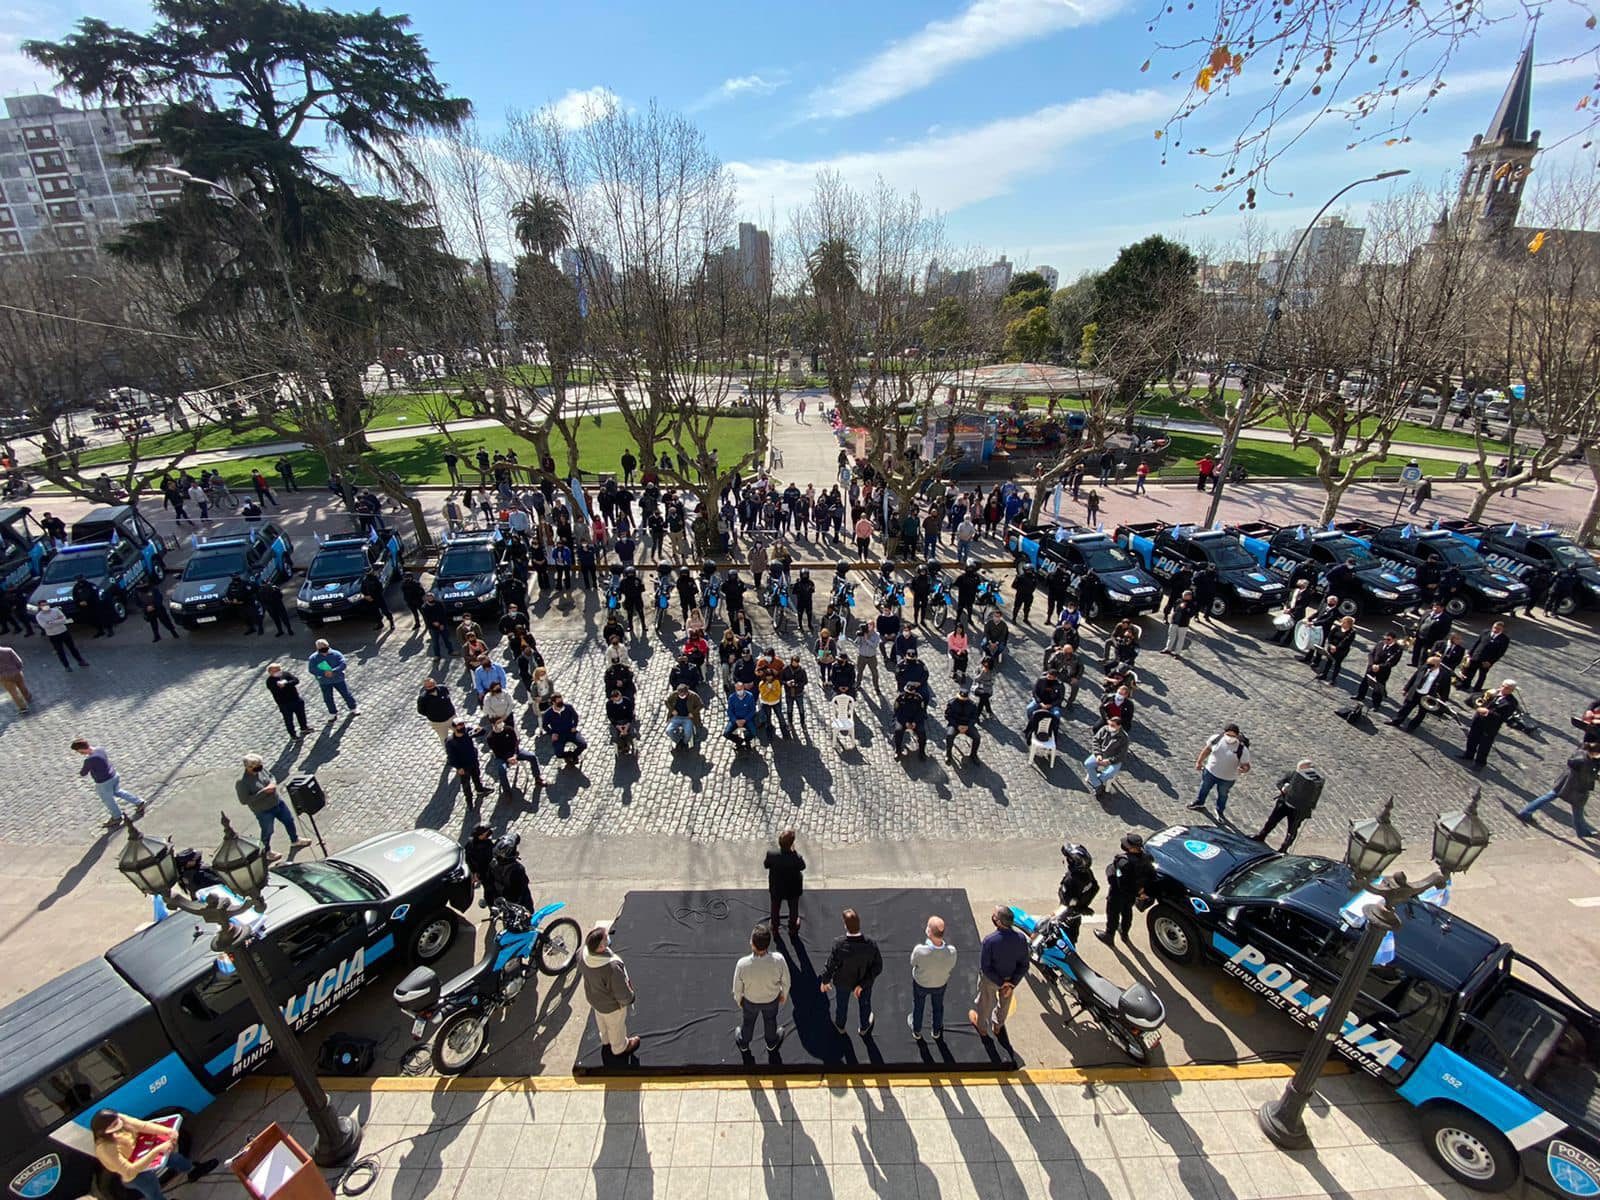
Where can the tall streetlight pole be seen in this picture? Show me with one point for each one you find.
(1458, 839)
(1247, 396)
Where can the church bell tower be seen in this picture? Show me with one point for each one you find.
(1499, 161)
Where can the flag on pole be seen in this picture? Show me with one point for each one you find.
(577, 494)
(1056, 499)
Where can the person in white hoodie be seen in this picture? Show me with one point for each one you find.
(760, 986)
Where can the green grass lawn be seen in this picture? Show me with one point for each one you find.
(419, 460)
(1271, 458)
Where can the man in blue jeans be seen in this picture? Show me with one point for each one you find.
(932, 963)
(1574, 786)
(1221, 761)
(258, 792)
(107, 783)
(760, 986)
(853, 965)
(327, 668)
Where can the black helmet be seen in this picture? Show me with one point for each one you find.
(505, 848)
(1077, 856)
(663, 569)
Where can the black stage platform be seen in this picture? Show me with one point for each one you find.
(680, 949)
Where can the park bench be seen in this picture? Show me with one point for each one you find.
(1386, 474)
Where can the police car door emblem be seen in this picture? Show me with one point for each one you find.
(1573, 1170)
(1202, 849)
(38, 1178)
(400, 853)
(1199, 905)
(208, 587)
(1130, 579)
(463, 584)
(399, 914)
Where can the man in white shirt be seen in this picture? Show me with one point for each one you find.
(760, 986)
(1221, 761)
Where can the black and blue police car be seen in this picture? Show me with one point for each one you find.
(468, 577)
(1501, 1060)
(1243, 584)
(332, 588)
(1423, 555)
(1299, 551)
(1106, 578)
(1520, 551)
(115, 548)
(222, 575)
(160, 1025)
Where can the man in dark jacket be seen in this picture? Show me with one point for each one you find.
(1489, 648)
(89, 606)
(461, 756)
(148, 599)
(415, 596)
(784, 868)
(1574, 786)
(270, 596)
(853, 965)
(436, 619)
(561, 723)
(1434, 628)
(285, 689)
(967, 592)
(1130, 875)
(961, 717)
(1001, 966)
(910, 716)
(1381, 662)
(1026, 584)
(1487, 719)
(1298, 793)
(511, 881)
(1205, 589)
(479, 852)
(372, 592)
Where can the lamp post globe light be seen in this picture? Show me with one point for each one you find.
(241, 863)
(1251, 383)
(1374, 844)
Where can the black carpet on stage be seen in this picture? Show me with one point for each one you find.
(680, 949)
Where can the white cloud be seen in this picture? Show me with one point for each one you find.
(583, 106)
(980, 29)
(738, 87)
(953, 170)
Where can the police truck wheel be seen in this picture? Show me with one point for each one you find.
(1174, 934)
(1457, 606)
(1219, 606)
(158, 571)
(1350, 606)
(459, 1041)
(559, 943)
(1473, 1151)
(431, 937)
(1093, 609)
(119, 609)
(1566, 606)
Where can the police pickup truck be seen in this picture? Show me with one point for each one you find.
(115, 549)
(1425, 555)
(24, 549)
(1300, 552)
(226, 569)
(1106, 579)
(469, 574)
(332, 590)
(1517, 551)
(159, 1025)
(1243, 584)
(1500, 1059)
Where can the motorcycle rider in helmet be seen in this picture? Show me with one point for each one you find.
(1078, 887)
(510, 876)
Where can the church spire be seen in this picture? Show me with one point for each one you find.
(1512, 119)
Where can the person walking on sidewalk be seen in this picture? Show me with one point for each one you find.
(608, 989)
(785, 870)
(933, 961)
(1001, 965)
(11, 678)
(1574, 786)
(285, 690)
(107, 783)
(54, 625)
(327, 667)
(258, 792)
(760, 986)
(853, 965)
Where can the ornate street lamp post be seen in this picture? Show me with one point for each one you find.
(1458, 839)
(242, 865)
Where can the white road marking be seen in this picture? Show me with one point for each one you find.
(1586, 901)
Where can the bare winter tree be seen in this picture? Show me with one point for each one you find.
(1359, 336)
(1281, 68)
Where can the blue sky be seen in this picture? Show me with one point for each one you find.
(1027, 122)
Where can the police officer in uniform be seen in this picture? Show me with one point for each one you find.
(270, 596)
(632, 589)
(1078, 888)
(805, 592)
(372, 592)
(509, 875)
(1298, 793)
(1130, 875)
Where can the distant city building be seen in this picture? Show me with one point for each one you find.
(1050, 275)
(64, 187)
(996, 277)
(1331, 249)
(755, 257)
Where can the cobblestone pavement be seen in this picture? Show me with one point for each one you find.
(1173, 1140)
(178, 716)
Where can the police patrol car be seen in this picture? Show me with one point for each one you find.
(1296, 550)
(332, 590)
(1108, 579)
(1243, 584)
(1410, 549)
(469, 573)
(1501, 1060)
(115, 549)
(23, 548)
(159, 1025)
(225, 570)
(1517, 550)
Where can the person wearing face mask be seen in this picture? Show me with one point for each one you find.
(497, 704)
(285, 690)
(1130, 875)
(1221, 761)
(435, 706)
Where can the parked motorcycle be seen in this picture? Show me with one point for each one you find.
(777, 601)
(989, 595)
(1131, 1017)
(614, 590)
(459, 1010)
(942, 604)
